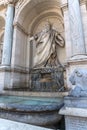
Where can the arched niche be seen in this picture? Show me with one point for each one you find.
(27, 12)
(40, 24)
(30, 18)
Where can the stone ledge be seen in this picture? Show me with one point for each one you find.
(36, 94)
(76, 61)
(14, 69)
(75, 102)
(77, 112)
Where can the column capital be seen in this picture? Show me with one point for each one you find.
(12, 1)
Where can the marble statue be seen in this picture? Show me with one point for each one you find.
(47, 72)
(79, 79)
(46, 51)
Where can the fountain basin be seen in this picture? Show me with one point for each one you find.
(32, 110)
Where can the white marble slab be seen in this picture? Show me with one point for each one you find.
(11, 125)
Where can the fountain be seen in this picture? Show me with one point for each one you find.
(32, 110)
(45, 76)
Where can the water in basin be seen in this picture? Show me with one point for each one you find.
(40, 111)
(29, 100)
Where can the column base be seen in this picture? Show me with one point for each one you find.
(13, 78)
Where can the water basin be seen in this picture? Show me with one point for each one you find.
(39, 111)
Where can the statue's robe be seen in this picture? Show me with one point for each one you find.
(46, 46)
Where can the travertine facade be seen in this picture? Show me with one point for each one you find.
(20, 19)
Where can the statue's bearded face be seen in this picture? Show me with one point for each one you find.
(49, 26)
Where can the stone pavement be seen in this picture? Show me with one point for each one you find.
(11, 125)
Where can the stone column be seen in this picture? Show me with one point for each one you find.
(8, 36)
(31, 60)
(76, 28)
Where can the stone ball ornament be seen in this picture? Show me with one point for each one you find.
(78, 79)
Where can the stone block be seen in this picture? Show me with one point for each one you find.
(76, 123)
(75, 111)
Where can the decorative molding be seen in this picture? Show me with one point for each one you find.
(15, 69)
(20, 27)
(77, 61)
(12, 1)
(20, 3)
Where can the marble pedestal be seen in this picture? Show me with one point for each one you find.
(75, 112)
(47, 79)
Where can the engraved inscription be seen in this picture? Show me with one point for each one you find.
(76, 123)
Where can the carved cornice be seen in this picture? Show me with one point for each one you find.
(77, 62)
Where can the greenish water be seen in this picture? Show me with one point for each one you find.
(29, 100)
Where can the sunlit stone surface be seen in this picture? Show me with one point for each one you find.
(11, 125)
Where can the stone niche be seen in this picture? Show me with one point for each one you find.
(47, 78)
(37, 26)
(30, 18)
